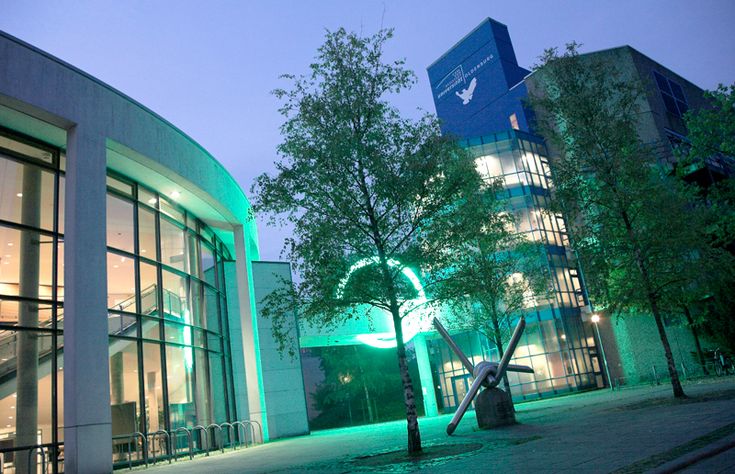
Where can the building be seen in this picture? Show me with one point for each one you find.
(129, 281)
(480, 95)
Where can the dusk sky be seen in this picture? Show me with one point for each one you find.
(209, 67)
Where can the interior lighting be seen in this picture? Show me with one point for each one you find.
(10, 244)
(20, 195)
(152, 200)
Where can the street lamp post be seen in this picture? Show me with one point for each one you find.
(595, 320)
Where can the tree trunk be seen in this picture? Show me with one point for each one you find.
(653, 301)
(499, 345)
(414, 436)
(700, 354)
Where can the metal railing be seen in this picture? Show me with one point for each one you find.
(240, 433)
(46, 451)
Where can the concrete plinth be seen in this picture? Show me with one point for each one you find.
(493, 408)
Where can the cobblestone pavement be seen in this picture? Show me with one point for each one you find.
(632, 430)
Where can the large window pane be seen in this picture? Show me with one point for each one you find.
(147, 233)
(124, 387)
(208, 264)
(153, 379)
(119, 223)
(175, 299)
(179, 364)
(173, 251)
(120, 283)
(26, 194)
(25, 263)
(148, 289)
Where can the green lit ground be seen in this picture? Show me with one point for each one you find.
(632, 430)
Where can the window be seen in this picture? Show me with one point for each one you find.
(514, 122)
(672, 95)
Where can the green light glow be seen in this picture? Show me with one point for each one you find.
(418, 318)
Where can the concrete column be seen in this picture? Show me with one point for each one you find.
(427, 381)
(87, 419)
(250, 341)
(26, 411)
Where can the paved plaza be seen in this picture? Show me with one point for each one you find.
(638, 429)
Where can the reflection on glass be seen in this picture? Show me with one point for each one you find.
(30, 185)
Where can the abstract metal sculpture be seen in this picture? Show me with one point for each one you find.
(486, 374)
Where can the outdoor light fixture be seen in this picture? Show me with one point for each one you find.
(595, 318)
(175, 194)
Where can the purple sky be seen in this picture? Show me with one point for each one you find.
(208, 67)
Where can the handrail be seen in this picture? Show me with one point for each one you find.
(156, 435)
(42, 449)
(144, 446)
(206, 436)
(231, 431)
(189, 438)
(214, 436)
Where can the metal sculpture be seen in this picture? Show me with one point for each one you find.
(486, 374)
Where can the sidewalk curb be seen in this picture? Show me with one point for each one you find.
(693, 458)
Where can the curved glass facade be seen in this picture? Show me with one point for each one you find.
(170, 363)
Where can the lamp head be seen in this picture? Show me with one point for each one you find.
(595, 318)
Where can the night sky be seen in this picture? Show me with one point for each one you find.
(209, 67)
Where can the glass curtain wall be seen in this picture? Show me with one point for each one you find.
(556, 343)
(31, 299)
(169, 349)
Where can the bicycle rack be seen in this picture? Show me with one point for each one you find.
(176, 433)
(157, 435)
(130, 437)
(214, 435)
(242, 430)
(206, 436)
(260, 429)
(42, 449)
(231, 434)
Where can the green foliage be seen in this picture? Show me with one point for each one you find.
(357, 180)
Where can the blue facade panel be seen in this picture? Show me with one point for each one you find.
(477, 85)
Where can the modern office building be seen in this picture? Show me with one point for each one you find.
(480, 94)
(128, 290)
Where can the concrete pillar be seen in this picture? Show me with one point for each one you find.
(87, 419)
(26, 410)
(249, 330)
(427, 381)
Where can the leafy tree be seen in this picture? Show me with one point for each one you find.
(711, 140)
(494, 272)
(358, 181)
(638, 230)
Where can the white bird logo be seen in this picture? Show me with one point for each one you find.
(466, 94)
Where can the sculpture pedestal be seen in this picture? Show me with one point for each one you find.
(493, 408)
